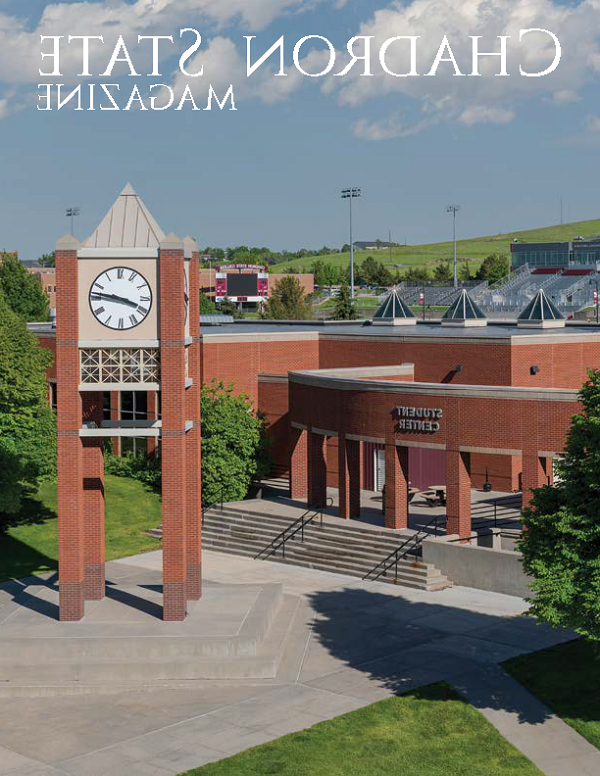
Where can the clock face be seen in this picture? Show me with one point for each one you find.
(120, 298)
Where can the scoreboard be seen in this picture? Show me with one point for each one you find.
(241, 283)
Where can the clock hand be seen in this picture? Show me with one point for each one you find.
(114, 298)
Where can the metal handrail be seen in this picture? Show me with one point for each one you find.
(400, 552)
(204, 508)
(290, 532)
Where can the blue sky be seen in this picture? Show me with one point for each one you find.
(269, 174)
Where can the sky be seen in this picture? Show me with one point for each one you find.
(506, 149)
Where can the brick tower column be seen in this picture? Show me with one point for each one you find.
(192, 440)
(93, 503)
(317, 469)
(396, 486)
(69, 418)
(172, 354)
(299, 464)
(152, 404)
(349, 477)
(458, 493)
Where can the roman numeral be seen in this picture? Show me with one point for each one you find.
(120, 273)
(107, 321)
(99, 311)
(120, 323)
(144, 298)
(107, 275)
(142, 310)
(133, 320)
(144, 285)
(132, 277)
(97, 285)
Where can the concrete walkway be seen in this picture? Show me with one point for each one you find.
(350, 643)
(555, 747)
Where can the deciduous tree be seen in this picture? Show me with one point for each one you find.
(233, 447)
(561, 543)
(22, 290)
(27, 424)
(288, 302)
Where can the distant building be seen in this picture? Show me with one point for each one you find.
(578, 253)
(47, 278)
(374, 245)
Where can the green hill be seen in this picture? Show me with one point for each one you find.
(473, 250)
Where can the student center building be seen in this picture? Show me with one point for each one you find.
(386, 404)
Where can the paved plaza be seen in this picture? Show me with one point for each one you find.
(347, 644)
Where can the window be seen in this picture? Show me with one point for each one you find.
(134, 405)
(135, 445)
(53, 394)
(106, 405)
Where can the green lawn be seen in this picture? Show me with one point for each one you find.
(429, 732)
(567, 679)
(32, 546)
(475, 249)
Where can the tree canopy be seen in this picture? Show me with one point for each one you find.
(233, 447)
(47, 260)
(288, 302)
(27, 424)
(561, 543)
(494, 268)
(22, 290)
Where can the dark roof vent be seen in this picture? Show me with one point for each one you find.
(464, 312)
(541, 313)
(394, 312)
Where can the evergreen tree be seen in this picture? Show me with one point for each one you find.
(207, 307)
(443, 272)
(234, 451)
(561, 543)
(227, 307)
(27, 424)
(344, 309)
(288, 302)
(22, 290)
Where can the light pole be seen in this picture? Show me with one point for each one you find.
(351, 194)
(454, 209)
(71, 212)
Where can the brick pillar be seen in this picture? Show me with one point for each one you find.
(193, 495)
(396, 486)
(349, 477)
(172, 353)
(69, 419)
(458, 495)
(115, 414)
(534, 475)
(152, 415)
(317, 469)
(299, 464)
(93, 504)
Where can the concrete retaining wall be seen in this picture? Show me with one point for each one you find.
(478, 566)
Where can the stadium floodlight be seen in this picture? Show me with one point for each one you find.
(350, 194)
(454, 209)
(71, 212)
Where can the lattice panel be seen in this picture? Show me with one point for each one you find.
(120, 365)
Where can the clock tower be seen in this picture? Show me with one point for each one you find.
(127, 321)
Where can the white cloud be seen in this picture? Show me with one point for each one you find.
(388, 129)
(471, 100)
(485, 115)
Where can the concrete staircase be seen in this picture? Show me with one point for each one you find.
(354, 548)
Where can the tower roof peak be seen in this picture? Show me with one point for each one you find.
(128, 224)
